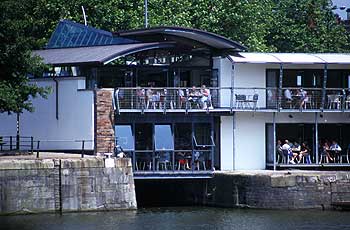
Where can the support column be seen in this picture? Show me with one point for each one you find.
(274, 140)
(316, 138)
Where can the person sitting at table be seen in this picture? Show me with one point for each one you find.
(288, 97)
(303, 98)
(335, 148)
(325, 152)
(279, 150)
(304, 152)
(286, 147)
(194, 96)
(204, 100)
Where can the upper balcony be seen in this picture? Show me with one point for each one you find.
(228, 99)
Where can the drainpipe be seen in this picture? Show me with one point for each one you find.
(325, 73)
(279, 104)
(56, 85)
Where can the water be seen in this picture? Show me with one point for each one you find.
(183, 218)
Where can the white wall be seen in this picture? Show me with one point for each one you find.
(225, 72)
(226, 143)
(75, 111)
(249, 141)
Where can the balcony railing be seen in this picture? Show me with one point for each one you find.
(231, 99)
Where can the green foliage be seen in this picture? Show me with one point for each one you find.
(16, 43)
(261, 25)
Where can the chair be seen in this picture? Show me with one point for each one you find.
(347, 102)
(240, 100)
(334, 101)
(307, 158)
(285, 156)
(308, 102)
(163, 161)
(199, 159)
(344, 154)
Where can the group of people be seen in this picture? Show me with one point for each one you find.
(200, 97)
(294, 152)
(301, 95)
(329, 150)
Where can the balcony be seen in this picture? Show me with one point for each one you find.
(228, 99)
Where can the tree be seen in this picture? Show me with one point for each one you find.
(16, 60)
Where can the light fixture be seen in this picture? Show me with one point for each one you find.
(290, 116)
(321, 115)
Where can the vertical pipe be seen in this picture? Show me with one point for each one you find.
(274, 140)
(316, 138)
(31, 145)
(212, 147)
(192, 140)
(280, 88)
(10, 142)
(17, 132)
(37, 149)
(82, 149)
(146, 13)
(324, 86)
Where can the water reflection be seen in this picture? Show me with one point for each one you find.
(182, 218)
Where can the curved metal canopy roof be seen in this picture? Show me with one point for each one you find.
(291, 58)
(210, 39)
(95, 54)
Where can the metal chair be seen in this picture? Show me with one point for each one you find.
(344, 154)
(347, 102)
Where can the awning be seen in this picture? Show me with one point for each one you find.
(291, 58)
(99, 55)
(210, 39)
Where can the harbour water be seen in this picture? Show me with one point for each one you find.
(182, 218)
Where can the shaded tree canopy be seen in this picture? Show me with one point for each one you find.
(261, 25)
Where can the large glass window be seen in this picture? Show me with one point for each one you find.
(163, 137)
(202, 135)
(183, 136)
(124, 137)
(143, 134)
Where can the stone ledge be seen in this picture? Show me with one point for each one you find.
(25, 164)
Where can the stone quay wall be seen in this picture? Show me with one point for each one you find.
(279, 190)
(65, 185)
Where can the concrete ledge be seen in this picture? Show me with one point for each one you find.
(27, 164)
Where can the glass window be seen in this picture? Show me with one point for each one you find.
(202, 135)
(163, 137)
(143, 136)
(183, 136)
(124, 137)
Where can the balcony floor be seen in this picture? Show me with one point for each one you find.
(173, 174)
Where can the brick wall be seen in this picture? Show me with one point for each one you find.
(104, 121)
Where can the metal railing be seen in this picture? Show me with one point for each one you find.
(10, 143)
(232, 99)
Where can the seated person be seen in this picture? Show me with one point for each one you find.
(279, 149)
(288, 97)
(305, 152)
(335, 148)
(303, 98)
(325, 152)
(204, 100)
(288, 149)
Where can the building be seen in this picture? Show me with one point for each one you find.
(184, 100)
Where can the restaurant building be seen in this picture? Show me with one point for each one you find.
(181, 100)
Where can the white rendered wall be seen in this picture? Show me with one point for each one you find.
(75, 121)
(226, 143)
(225, 72)
(249, 141)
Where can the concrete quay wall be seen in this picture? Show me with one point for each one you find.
(279, 190)
(65, 185)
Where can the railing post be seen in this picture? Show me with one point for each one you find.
(37, 149)
(325, 73)
(31, 145)
(82, 149)
(10, 142)
(231, 100)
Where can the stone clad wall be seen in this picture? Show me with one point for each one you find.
(279, 190)
(104, 121)
(65, 185)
